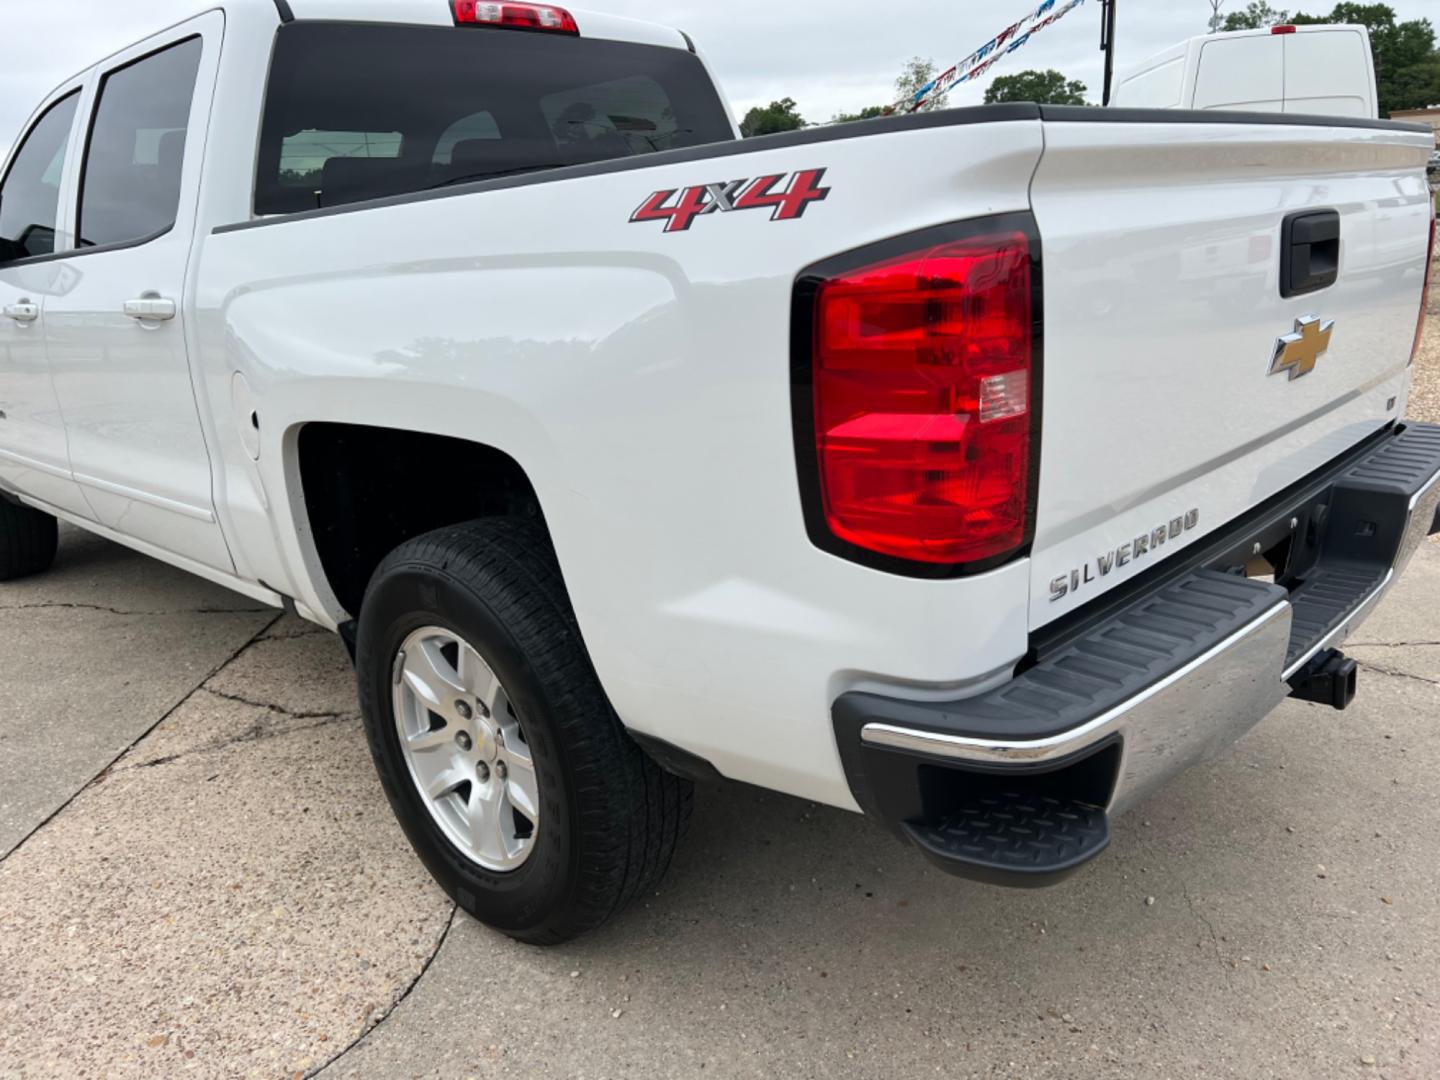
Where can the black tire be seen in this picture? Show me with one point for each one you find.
(28, 539)
(610, 817)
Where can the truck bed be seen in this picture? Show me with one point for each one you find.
(603, 348)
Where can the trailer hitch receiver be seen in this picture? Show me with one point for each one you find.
(1329, 679)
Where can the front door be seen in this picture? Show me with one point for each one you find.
(33, 456)
(116, 336)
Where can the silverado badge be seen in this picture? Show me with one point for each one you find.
(1298, 353)
(1143, 546)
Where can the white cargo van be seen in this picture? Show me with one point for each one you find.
(1320, 70)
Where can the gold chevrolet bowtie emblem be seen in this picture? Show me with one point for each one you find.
(1298, 353)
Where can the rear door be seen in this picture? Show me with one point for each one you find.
(117, 335)
(34, 459)
(1182, 387)
(1246, 73)
(1328, 72)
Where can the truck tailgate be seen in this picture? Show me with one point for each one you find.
(1166, 411)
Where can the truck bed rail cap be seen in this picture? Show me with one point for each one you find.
(1088, 114)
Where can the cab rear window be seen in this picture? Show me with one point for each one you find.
(355, 112)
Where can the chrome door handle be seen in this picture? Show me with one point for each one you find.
(23, 312)
(150, 309)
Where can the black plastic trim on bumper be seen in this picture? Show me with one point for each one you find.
(1145, 684)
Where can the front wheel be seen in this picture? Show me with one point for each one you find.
(28, 540)
(497, 748)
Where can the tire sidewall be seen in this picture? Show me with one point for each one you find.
(403, 598)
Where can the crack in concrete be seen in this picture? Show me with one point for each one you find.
(1393, 644)
(255, 732)
(166, 760)
(1398, 674)
(294, 714)
(400, 1000)
(304, 632)
(59, 606)
(1205, 919)
(100, 776)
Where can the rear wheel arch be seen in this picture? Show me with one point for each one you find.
(363, 490)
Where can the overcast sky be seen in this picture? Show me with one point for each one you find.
(829, 55)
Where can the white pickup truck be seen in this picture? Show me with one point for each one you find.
(979, 469)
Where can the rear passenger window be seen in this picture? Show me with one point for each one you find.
(478, 127)
(632, 115)
(30, 195)
(130, 189)
(457, 104)
(305, 155)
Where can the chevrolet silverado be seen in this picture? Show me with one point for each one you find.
(976, 469)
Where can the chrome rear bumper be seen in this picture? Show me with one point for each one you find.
(1183, 719)
(1153, 685)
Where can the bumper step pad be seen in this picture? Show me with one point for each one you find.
(1380, 510)
(1014, 838)
(1326, 600)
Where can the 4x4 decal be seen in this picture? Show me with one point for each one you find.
(785, 204)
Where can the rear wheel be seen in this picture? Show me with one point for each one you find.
(28, 539)
(497, 748)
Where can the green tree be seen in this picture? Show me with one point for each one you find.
(1416, 86)
(1256, 16)
(870, 112)
(1043, 87)
(1407, 65)
(917, 73)
(782, 115)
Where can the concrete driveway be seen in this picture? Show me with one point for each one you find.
(200, 875)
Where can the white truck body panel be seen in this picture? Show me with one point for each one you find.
(695, 328)
(641, 378)
(1175, 304)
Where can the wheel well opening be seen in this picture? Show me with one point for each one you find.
(370, 489)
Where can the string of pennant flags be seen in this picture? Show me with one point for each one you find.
(983, 58)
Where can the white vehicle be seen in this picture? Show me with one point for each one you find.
(979, 470)
(1318, 70)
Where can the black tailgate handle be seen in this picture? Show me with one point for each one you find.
(1309, 252)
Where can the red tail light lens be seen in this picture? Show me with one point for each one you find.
(923, 385)
(1282, 30)
(1425, 288)
(515, 16)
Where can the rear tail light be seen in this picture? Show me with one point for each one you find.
(514, 16)
(1425, 287)
(922, 397)
(1282, 30)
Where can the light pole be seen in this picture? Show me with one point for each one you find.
(1107, 44)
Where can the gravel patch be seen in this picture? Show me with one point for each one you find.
(1425, 391)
